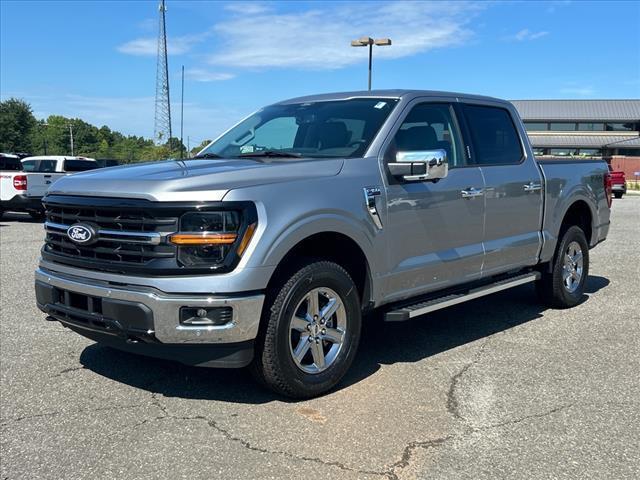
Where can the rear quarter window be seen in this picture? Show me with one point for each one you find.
(494, 135)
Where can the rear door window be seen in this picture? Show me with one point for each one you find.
(494, 135)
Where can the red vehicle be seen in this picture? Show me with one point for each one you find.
(618, 183)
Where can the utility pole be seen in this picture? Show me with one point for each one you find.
(162, 127)
(71, 137)
(370, 42)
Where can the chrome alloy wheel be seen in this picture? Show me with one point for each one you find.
(317, 330)
(572, 267)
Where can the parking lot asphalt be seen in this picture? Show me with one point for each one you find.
(496, 388)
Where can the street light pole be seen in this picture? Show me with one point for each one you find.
(370, 42)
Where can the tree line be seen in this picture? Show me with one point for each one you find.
(21, 132)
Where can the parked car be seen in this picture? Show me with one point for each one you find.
(267, 249)
(618, 182)
(13, 187)
(43, 171)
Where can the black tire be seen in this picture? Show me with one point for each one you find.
(273, 364)
(551, 287)
(618, 194)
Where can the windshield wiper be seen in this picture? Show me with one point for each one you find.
(271, 153)
(207, 155)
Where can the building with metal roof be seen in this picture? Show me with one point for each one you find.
(600, 128)
(589, 110)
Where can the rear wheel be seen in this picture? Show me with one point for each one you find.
(563, 286)
(310, 332)
(618, 194)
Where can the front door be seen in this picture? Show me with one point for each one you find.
(434, 230)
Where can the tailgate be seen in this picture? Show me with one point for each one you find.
(39, 183)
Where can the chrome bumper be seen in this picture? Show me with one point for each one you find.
(166, 308)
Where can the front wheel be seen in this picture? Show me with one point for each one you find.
(563, 286)
(618, 194)
(310, 332)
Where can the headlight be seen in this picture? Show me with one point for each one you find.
(213, 239)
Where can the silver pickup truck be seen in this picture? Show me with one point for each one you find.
(268, 247)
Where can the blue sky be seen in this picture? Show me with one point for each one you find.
(96, 60)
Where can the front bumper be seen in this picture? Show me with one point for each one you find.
(143, 313)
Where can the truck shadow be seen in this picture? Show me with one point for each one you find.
(382, 344)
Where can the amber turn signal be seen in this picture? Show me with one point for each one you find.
(203, 238)
(246, 238)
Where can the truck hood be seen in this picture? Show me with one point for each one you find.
(192, 180)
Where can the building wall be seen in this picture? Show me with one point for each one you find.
(628, 165)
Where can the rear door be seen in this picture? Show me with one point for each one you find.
(434, 230)
(513, 188)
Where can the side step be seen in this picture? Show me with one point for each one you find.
(408, 312)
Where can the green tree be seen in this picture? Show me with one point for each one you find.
(16, 126)
(195, 150)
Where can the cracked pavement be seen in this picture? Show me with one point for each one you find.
(496, 388)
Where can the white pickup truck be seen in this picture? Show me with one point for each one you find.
(24, 182)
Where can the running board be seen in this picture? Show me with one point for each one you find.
(408, 312)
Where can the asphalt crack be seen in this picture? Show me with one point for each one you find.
(453, 405)
(7, 421)
(69, 370)
(405, 460)
(245, 443)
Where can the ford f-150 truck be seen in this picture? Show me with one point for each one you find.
(268, 247)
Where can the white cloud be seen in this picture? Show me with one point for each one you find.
(320, 38)
(526, 34)
(201, 75)
(148, 46)
(585, 91)
(247, 8)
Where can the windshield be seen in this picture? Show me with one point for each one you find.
(339, 129)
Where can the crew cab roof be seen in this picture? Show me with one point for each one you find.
(405, 94)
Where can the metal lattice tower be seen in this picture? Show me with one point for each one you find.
(162, 127)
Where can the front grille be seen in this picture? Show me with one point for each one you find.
(111, 218)
(128, 234)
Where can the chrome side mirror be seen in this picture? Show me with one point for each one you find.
(420, 165)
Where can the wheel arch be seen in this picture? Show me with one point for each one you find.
(331, 245)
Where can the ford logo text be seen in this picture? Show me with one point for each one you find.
(81, 233)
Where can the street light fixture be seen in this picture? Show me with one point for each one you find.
(370, 42)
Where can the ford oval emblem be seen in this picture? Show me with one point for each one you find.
(80, 233)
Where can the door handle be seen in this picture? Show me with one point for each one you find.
(532, 187)
(472, 192)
